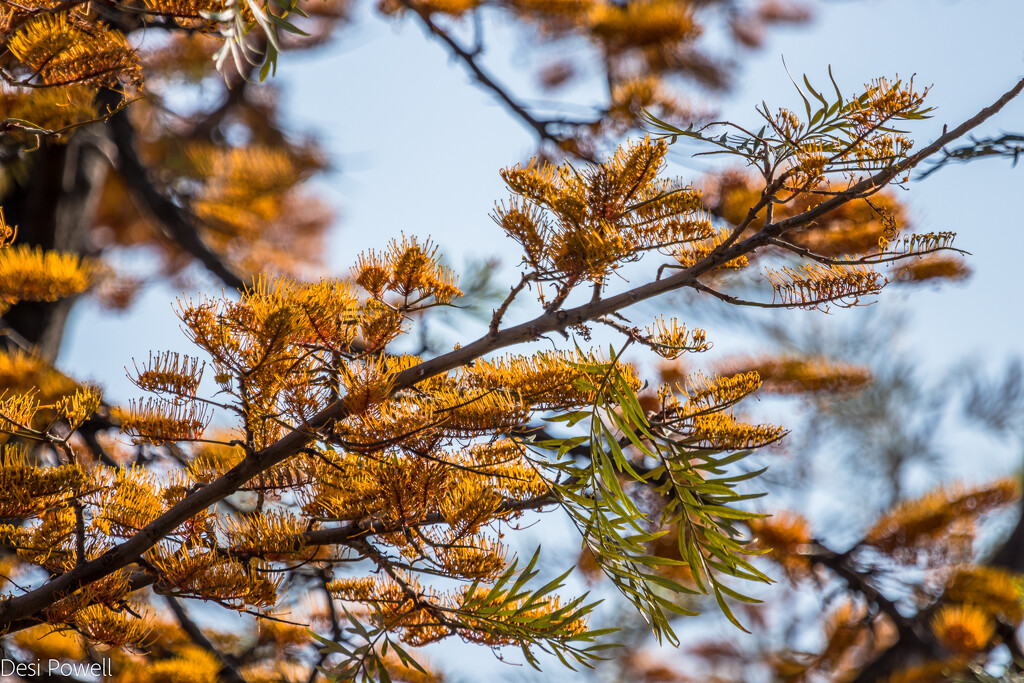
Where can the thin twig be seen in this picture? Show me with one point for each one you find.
(503, 308)
(469, 58)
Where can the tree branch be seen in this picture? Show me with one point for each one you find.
(228, 672)
(178, 225)
(468, 58)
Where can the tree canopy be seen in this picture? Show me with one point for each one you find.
(356, 490)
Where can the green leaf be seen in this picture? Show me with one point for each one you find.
(286, 25)
(735, 595)
(727, 611)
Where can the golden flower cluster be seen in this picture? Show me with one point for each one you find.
(251, 207)
(786, 537)
(848, 135)
(815, 284)
(22, 372)
(690, 253)
(812, 160)
(31, 274)
(409, 270)
(640, 24)
(100, 624)
(706, 394)
(17, 411)
(581, 225)
(131, 500)
(642, 93)
(852, 229)
(107, 592)
(185, 10)
(189, 662)
(396, 489)
(28, 489)
(965, 629)
(802, 374)
(49, 642)
(720, 431)
(170, 373)
(670, 339)
(935, 267)
(883, 101)
(274, 534)
(242, 186)
(697, 411)
(845, 631)
(990, 588)
(48, 543)
(548, 380)
(76, 408)
(61, 49)
(477, 613)
(157, 421)
(409, 609)
(211, 575)
(922, 523)
(925, 241)
(50, 109)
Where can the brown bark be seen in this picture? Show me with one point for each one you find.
(54, 207)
